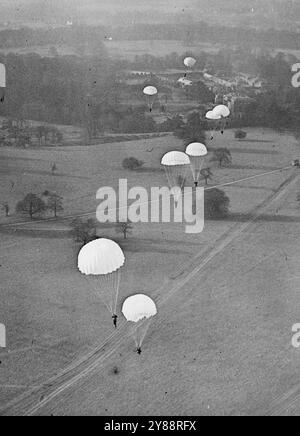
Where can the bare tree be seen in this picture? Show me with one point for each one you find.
(206, 174)
(223, 156)
(53, 168)
(84, 231)
(125, 228)
(5, 207)
(54, 203)
(31, 205)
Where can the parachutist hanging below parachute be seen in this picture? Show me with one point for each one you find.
(115, 320)
(219, 115)
(139, 310)
(189, 62)
(101, 260)
(150, 92)
(176, 164)
(196, 152)
(213, 118)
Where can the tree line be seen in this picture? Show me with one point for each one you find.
(197, 31)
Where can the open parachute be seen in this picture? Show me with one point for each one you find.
(101, 261)
(218, 118)
(2, 82)
(211, 115)
(222, 111)
(151, 93)
(190, 62)
(196, 152)
(176, 165)
(139, 310)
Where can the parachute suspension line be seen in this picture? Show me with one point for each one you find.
(112, 286)
(176, 175)
(91, 281)
(150, 101)
(117, 280)
(106, 290)
(141, 331)
(111, 290)
(197, 163)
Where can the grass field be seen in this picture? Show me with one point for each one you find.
(227, 298)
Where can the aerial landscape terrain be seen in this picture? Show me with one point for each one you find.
(76, 116)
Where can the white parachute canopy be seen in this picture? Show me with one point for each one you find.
(176, 164)
(100, 257)
(175, 158)
(139, 309)
(222, 111)
(2, 81)
(101, 260)
(211, 115)
(150, 92)
(196, 152)
(190, 62)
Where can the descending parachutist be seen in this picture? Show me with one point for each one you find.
(115, 320)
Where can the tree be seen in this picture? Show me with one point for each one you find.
(222, 155)
(31, 205)
(240, 134)
(41, 134)
(131, 163)
(5, 207)
(53, 168)
(206, 174)
(216, 204)
(173, 124)
(125, 228)
(193, 130)
(23, 140)
(54, 203)
(200, 92)
(84, 231)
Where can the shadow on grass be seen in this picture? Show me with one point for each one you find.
(263, 141)
(239, 217)
(252, 167)
(150, 170)
(251, 151)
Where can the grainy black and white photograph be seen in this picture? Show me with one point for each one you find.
(149, 210)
